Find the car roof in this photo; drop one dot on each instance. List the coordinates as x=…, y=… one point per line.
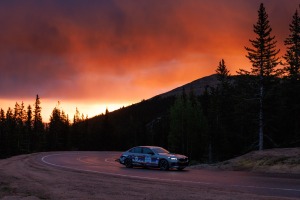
x=150, y=147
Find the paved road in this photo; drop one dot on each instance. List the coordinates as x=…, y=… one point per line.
x=104, y=163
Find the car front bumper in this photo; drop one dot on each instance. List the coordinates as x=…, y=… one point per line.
x=178, y=164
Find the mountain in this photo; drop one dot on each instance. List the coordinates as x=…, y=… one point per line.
x=197, y=86
x=146, y=122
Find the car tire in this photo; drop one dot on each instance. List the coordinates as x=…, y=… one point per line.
x=163, y=165
x=128, y=163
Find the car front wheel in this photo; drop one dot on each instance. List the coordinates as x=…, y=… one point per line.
x=128, y=163
x=163, y=165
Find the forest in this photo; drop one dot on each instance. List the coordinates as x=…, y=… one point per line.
x=251, y=110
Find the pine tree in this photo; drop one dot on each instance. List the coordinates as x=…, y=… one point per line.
x=223, y=76
x=37, y=117
x=2, y=134
x=263, y=57
x=220, y=110
x=9, y=130
x=292, y=43
x=38, y=127
x=290, y=112
x=76, y=118
x=17, y=134
x=187, y=127
x=222, y=72
x=28, y=129
x=177, y=132
x=54, y=129
x=58, y=130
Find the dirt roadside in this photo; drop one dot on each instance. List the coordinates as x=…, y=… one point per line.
x=284, y=161
x=24, y=177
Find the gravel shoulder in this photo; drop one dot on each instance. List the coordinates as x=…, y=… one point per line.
x=25, y=177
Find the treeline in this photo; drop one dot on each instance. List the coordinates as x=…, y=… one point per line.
x=255, y=109
x=21, y=130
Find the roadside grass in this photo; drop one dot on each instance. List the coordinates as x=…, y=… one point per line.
x=269, y=161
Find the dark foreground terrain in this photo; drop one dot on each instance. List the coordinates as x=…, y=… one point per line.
x=92, y=175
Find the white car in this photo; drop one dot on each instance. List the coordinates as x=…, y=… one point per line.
x=153, y=156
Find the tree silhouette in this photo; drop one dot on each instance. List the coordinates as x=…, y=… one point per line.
x=28, y=129
x=291, y=96
x=222, y=72
x=9, y=130
x=187, y=126
x=263, y=56
x=38, y=127
x=292, y=43
x=3, y=138
x=58, y=130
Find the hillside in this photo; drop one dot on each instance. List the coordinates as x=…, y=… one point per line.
x=146, y=122
x=197, y=86
x=208, y=127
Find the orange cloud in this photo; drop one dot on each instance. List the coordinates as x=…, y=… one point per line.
x=123, y=51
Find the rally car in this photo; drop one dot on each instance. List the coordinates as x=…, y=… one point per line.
x=152, y=156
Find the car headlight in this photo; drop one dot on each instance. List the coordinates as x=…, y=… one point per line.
x=174, y=159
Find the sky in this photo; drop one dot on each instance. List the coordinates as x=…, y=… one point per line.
x=100, y=54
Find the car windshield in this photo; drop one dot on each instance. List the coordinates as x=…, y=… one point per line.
x=159, y=150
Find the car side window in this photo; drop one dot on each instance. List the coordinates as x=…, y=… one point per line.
x=147, y=151
x=137, y=150
x=131, y=150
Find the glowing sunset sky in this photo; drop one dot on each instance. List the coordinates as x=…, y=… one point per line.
x=94, y=54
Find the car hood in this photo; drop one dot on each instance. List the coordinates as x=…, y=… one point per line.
x=172, y=155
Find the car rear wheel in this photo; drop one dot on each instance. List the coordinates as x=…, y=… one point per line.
x=163, y=165
x=128, y=163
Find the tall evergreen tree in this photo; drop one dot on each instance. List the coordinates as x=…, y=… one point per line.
x=290, y=110
x=37, y=116
x=23, y=112
x=38, y=127
x=76, y=118
x=187, y=127
x=2, y=134
x=292, y=43
x=18, y=128
x=9, y=130
x=222, y=72
x=28, y=129
x=220, y=111
x=263, y=56
x=58, y=130
x=177, y=126
x=223, y=76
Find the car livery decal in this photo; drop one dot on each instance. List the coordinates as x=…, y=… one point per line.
x=139, y=159
x=147, y=159
x=154, y=160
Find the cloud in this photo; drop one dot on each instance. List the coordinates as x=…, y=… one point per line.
x=117, y=49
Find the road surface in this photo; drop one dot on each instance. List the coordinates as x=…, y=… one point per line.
x=104, y=163
x=96, y=175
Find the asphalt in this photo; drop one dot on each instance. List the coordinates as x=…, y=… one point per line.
x=275, y=185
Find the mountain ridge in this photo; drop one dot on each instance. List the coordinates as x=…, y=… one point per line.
x=197, y=86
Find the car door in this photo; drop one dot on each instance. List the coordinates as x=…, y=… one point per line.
x=137, y=156
x=150, y=158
